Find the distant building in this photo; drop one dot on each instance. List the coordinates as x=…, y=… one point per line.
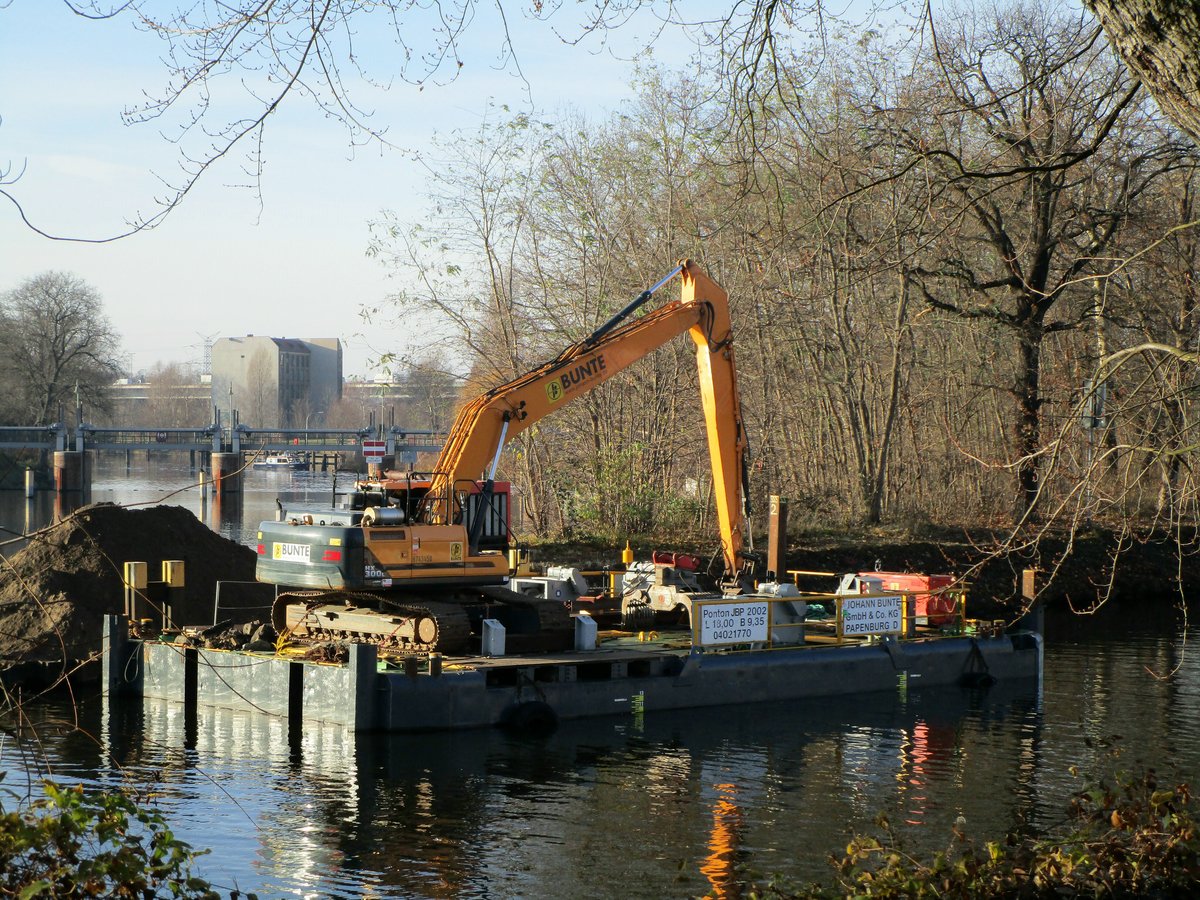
x=276, y=382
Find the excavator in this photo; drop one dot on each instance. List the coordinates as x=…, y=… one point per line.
x=425, y=562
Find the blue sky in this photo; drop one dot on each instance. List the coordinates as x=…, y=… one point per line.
x=220, y=265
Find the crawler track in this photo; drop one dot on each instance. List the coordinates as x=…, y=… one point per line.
x=401, y=624
x=395, y=627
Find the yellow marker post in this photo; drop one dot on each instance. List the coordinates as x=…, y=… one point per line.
x=173, y=577
x=136, y=578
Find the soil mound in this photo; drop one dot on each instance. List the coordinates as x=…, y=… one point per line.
x=55, y=591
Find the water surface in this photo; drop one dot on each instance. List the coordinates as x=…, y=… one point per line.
x=660, y=805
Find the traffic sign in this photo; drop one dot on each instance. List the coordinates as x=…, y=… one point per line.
x=374, y=449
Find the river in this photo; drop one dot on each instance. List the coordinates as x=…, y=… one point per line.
x=659, y=805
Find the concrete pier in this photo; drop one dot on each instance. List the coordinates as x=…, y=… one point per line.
x=70, y=471
x=227, y=474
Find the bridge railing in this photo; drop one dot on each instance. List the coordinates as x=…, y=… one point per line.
x=35, y=437
x=251, y=440
x=101, y=438
x=401, y=443
x=402, y=437
x=247, y=439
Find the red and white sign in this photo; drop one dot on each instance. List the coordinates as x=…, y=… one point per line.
x=374, y=449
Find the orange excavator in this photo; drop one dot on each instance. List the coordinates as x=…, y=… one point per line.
x=425, y=563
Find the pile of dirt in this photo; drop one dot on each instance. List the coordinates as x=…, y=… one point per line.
x=55, y=591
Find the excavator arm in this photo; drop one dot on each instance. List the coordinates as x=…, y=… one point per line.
x=484, y=425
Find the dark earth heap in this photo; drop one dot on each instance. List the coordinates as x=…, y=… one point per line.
x=55, y=591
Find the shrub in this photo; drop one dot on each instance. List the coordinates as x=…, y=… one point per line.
x=1125, y=837
x=84, y=843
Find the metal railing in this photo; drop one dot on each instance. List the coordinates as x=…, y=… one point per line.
x=33, y=437
x=756, y=622
x=95, y=437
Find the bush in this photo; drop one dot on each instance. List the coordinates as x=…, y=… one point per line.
x=1125, y=837
x=80, y=843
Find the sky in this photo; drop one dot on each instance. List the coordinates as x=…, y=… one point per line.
x=222, y=264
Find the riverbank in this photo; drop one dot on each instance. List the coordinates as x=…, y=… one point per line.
x=1075, y=571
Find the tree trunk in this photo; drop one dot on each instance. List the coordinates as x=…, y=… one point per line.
x=1160, y=42
x=1028, y=424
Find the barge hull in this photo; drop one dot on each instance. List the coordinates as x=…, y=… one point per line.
x=480, y=693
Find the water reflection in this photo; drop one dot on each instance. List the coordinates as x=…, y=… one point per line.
x=673, y=804
x=720, y=867
x=690, y=803
x=679, y=804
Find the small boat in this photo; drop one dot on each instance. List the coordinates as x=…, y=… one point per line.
x=281, y=461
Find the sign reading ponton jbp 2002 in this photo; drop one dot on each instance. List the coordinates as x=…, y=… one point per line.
x=871, y=615
x=732, y=623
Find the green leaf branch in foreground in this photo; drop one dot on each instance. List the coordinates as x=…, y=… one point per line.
x=88, y=843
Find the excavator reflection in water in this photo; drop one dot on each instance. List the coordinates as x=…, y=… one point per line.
x=426, y=562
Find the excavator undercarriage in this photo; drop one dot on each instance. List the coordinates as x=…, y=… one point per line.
x=447, y=622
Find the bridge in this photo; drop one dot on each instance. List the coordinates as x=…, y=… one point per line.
x=401, y=443
x=34, y=437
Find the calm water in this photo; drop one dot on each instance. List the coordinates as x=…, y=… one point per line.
x=666, y=805
x=157, y=480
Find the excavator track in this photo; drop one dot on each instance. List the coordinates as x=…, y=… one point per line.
x=398, y=628
x=405, y=625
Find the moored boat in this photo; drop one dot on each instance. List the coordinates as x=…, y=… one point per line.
x=291, y=461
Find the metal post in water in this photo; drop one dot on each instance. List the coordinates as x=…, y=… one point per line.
x=30, y=483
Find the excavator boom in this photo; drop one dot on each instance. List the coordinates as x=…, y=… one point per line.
x=485, y=424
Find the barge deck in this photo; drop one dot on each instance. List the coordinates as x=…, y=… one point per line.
x=368, y=693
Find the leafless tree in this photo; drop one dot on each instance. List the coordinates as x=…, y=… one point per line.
x=258, y=399
x=231, y=66
x=56, y=349
x=1038, y=160
x=167, y=403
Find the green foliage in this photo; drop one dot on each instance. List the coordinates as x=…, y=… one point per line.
x=629, y=501
x=1126, y=837
x=82, y=843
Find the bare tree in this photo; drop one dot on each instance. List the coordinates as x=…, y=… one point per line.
x=1038, y=162
x=168, y=401
x=258, y=399
x=56, y=347
x=231, y=66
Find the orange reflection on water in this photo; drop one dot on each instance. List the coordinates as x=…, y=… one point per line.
x=723, y=844
x=926, y=745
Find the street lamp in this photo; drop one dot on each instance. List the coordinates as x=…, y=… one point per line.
x=319, y=412
x=308, y=453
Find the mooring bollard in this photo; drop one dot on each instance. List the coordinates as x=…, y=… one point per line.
x=30, y=483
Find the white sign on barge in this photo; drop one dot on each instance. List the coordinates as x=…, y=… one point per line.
x=866, y=615
x=741, y=622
